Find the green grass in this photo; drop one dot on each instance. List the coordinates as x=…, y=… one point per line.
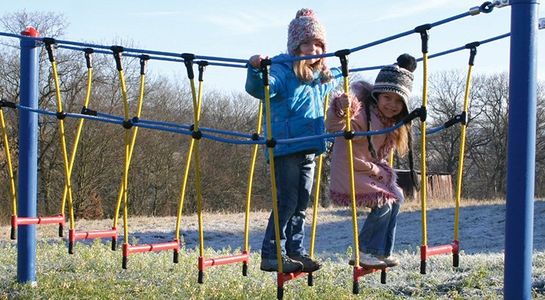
x=94, y=272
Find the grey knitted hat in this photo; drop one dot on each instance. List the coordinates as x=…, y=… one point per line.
x=396, y=78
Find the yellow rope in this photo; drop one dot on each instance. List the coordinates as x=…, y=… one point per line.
x=423, y=180
x=251, y=180
x=183, y=186
x=461, y=155
x=317, y=182
x=273, y=181
x=7, y=153
x=131, y=148
x=62, y=137
x=198, y=174
x=78, y=134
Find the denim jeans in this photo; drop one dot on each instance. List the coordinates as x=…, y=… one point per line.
x=377, y=234
x=294, y=175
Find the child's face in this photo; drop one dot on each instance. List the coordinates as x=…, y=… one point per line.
x=311, y=47
x=390, y=104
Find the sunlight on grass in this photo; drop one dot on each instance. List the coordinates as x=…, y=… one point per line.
x=95, y=272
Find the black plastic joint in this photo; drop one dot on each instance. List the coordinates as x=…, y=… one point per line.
x=265, y=63
x=472, y=51
x=127, y=124
x=196, y=134
x=342, y=55
x=117, y=50
x=202, y=66
x=192, y=127
x=143, y=61
x=423, y=113
x=424, y=35
x=419, y=112
x=188, y=62
x=50, y=46
x=5, y=103
x=348, y=135
x=456, y=119
x=486, y=7
x=88, y=57
x=135, y=120
x=87, y=111
x=60, y=115
x=270, y=143
x=255, y=136
x=464, y=118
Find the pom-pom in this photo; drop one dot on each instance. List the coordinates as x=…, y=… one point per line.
x=407, y=62
x=305, y=12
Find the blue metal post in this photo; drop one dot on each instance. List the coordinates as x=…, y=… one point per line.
x=521, y=151
x=27, y=190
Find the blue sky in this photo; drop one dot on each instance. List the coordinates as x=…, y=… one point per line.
x=239, y=29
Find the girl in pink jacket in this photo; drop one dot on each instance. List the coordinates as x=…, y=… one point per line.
x=373, y=108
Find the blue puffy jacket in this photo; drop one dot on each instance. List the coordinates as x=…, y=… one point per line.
x=297, y=108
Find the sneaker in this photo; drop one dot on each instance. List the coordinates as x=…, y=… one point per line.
x=288, y=265
x=391, y=261
x=309, y=264
x=369, y=261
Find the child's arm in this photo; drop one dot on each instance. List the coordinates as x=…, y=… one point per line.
x=254, y=78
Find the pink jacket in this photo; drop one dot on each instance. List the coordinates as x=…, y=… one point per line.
x=375, y=181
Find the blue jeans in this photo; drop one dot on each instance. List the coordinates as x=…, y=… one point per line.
x=294, y=175
x=377, y=234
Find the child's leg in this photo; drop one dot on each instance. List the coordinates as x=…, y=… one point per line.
x=287, y=183
x=295, y=230
x=372, y=237
x=391, y=230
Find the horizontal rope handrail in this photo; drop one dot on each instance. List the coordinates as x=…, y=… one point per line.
x=471, y=12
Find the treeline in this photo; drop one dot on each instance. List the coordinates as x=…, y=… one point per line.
x=159, y=158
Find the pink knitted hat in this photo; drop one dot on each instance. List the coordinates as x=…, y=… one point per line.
x=304, y=27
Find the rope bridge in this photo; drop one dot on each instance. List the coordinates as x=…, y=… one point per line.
x=132, y=122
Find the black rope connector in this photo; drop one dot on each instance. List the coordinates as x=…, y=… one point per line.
x=342, y=55
x=192, y=127
x=270, y=143
x=89, y=57
x=50, y=46
x=5, y=103
x=419, y=112
x=264, y=67
x=117, y=50
x=348, y=135
x=143, y=61
x=87, y=111
x=472, y=51
x=486, y=7
x=255, y=136
x=61, y=115
x=196, y=134
x=127, y=124
x=188, y=62
x=461, y=118
x=135, y=120
x=424, y=35
x=202, y=66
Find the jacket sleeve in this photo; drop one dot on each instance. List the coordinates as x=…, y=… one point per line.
x=254, y=82
x=336, y=116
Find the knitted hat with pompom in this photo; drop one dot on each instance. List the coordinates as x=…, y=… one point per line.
x=396, y=78
x=304, y=27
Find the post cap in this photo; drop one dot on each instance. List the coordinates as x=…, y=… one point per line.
x=30, y=31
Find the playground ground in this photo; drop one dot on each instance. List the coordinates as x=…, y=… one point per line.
x=481, y=229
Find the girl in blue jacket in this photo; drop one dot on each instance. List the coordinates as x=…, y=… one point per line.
x=297, y=91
